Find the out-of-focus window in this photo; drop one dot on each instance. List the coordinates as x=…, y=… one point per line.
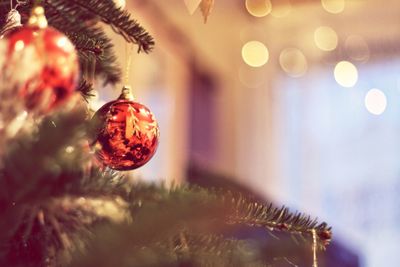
x=340, y=155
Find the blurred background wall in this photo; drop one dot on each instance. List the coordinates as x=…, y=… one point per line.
x=298, y=100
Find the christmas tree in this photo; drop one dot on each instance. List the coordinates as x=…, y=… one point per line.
x=64, y=200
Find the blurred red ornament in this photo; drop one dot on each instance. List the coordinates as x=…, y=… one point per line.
x=126, y=134
x=40, y=63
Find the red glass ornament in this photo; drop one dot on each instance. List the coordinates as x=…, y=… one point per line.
x=41, y=64
x=127, y=133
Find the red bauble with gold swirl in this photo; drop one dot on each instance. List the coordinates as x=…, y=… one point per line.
x=126, y=132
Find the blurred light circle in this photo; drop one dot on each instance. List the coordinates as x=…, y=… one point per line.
x=357, y=48
x=281, y=9
x=333, y=6
x=255, y=54
x=375, y=101
x=258, y=8
x=293, y=62
x=346, y=74
x=325, y=38
x=252, y=77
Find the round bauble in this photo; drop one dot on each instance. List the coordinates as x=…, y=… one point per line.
x=40, y=63
x=126, y=133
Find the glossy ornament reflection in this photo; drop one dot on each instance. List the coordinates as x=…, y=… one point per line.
x=40, y=63
x=126, y=133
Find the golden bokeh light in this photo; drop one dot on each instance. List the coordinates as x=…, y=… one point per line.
x=346, y=74
x=325, y=38
x=293, y=62
x=258, y=8
x=375, y=101
x=255, y=54
x=333, y=6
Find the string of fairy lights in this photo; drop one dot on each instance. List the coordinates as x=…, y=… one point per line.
x=293, y=61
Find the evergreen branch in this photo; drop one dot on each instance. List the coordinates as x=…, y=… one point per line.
x=86, y=89
x=58, y=226
x=192, y=220
x=245, y=210
x=190, y=216
x=119, y=20
x=254, y=213
x=57, y=144
x=216, y=250
x=62, y=165
x=98, y=182
x=86, y=45
x=89, y=40
x=145, y=238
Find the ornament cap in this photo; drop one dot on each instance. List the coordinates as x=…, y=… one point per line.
x=37, y=18
x=126, y=93
x=13, y=21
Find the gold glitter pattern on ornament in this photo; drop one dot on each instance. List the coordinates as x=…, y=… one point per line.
x=128, y=134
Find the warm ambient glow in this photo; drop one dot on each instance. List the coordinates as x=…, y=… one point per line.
x=346, y=74
x=375, y=101
x=293, y=62
x=255, y=54
x=258, y=8
x=325, y=38
x=333, y=6
x=252, y=77
x=120, y=3
x=357, y=48
x=282, y=9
